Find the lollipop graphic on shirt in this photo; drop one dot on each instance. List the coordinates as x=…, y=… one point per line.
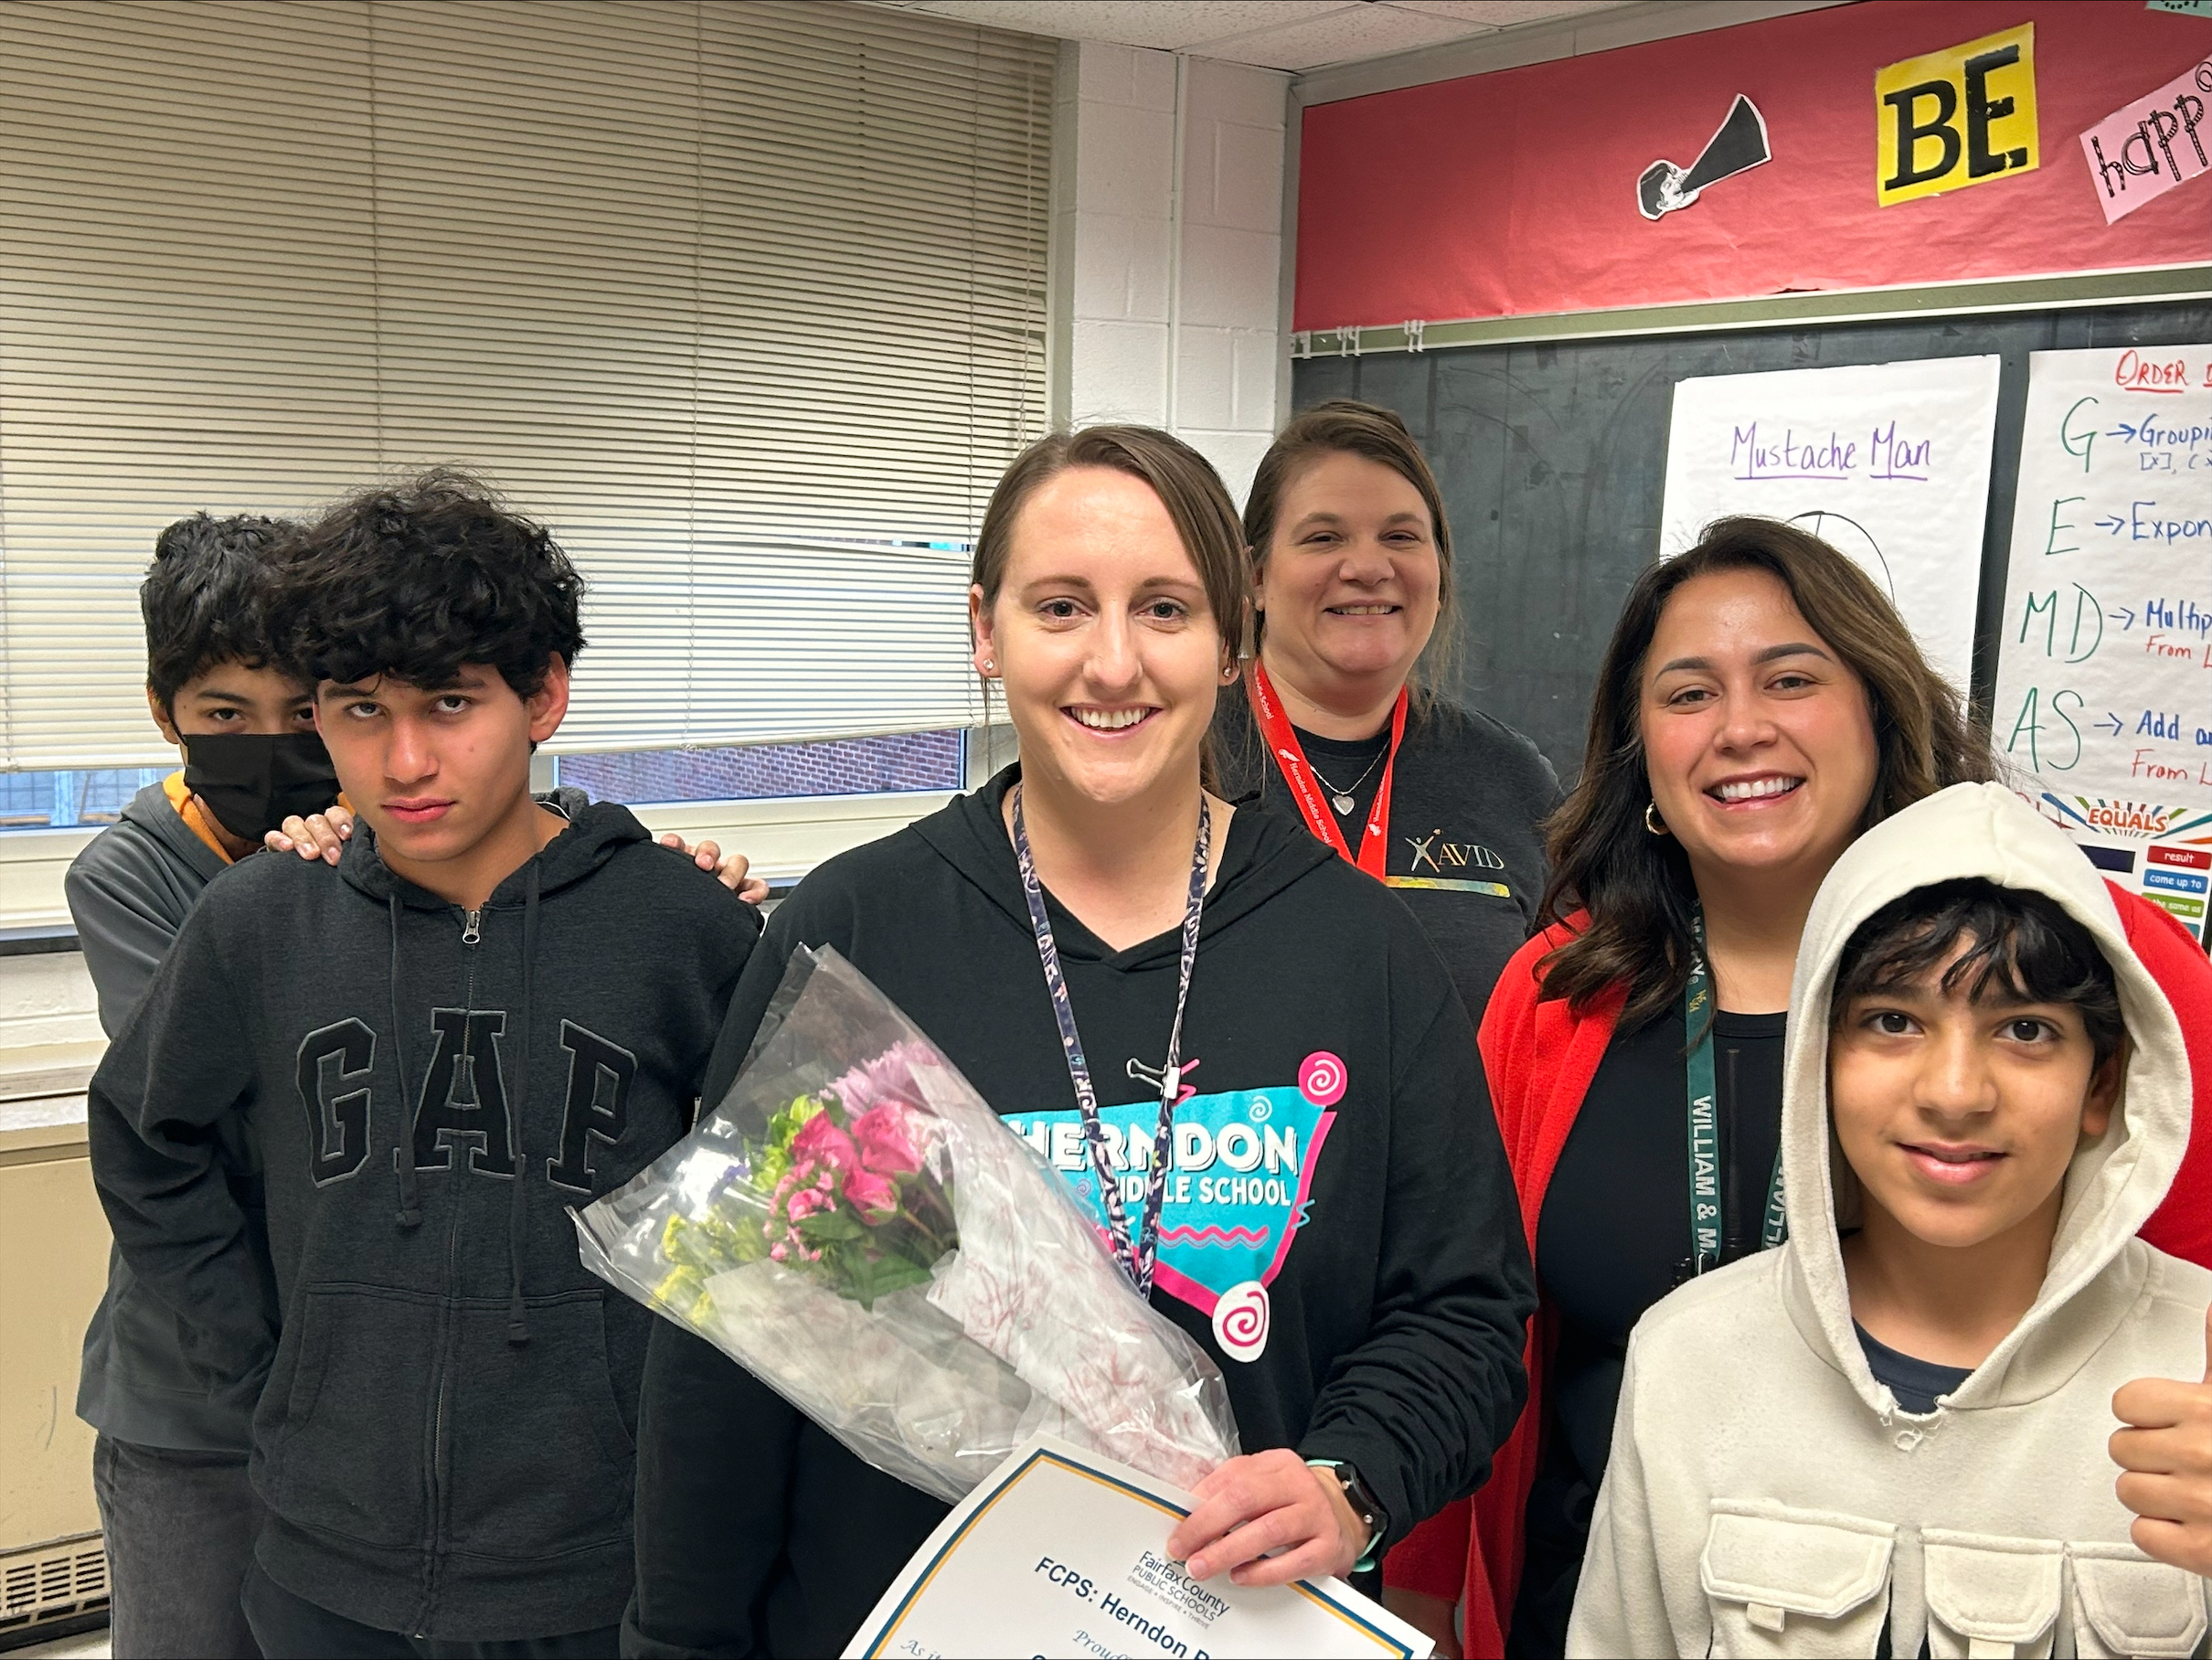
x=1240, y=1320
x=1321, y=1078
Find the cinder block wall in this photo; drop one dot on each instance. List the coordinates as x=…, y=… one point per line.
x=1168, y=226
x=45, y=1001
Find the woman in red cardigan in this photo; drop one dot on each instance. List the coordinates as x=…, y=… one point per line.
x=1759, y=704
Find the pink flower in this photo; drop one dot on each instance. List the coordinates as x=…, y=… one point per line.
x=880, y=1133
x=821, y=1141
x=889, y=1074
x=872, y=1193
x=806, y=1202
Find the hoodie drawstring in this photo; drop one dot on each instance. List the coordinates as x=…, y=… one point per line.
x=403, y=1151
x=518, y=1329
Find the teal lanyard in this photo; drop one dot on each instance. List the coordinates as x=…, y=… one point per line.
x=1707, y=1226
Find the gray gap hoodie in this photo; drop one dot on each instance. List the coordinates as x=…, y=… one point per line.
x=1767, y=1497
x=444, y=1437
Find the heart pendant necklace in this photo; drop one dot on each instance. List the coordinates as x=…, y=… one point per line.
x=1343, y=799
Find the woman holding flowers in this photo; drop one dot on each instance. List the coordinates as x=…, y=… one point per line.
x=1242, y=1055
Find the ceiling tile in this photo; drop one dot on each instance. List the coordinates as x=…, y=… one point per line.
x=1342, y=36
x=1169, y=26
x=1277, y=34
x=1505, y=13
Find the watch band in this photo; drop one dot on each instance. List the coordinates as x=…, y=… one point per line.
x=1364, y=1504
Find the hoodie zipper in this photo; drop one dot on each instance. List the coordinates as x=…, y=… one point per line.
x=433, y=1484
x=472, y=935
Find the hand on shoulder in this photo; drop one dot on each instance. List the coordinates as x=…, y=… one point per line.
x=320, y=836
x=323, y=836
x=732, y=869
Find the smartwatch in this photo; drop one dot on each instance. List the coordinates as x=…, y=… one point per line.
x=1365, y=1506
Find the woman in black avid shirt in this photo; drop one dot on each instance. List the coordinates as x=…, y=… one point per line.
x=1338, y=1233
x=1336, y=719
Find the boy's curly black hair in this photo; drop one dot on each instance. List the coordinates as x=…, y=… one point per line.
x=2021, y=947
x=204, y=598
x=414, y=579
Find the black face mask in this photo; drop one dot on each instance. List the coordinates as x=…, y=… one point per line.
x=253, y=782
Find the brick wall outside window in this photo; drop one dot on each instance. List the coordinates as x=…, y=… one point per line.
x=843, y=766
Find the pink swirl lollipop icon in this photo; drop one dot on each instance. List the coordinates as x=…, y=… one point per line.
x=1240, y=1320
x=1321, y=1078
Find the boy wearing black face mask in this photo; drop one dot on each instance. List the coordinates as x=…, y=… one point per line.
x=169, y=1466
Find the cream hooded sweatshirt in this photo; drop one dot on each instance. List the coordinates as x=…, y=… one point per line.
x=1767, y=1497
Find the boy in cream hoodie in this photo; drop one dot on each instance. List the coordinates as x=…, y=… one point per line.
x=1900, y=1424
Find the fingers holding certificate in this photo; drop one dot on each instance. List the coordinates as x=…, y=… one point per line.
x=1062, y=1552
x=1268, y=1519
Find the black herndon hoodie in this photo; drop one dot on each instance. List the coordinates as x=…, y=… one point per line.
x=444, y=1437
x=1335, y=1146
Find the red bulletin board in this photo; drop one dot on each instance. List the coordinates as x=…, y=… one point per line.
x=1515, y=192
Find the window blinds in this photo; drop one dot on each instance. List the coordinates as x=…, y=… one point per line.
x=745, y=300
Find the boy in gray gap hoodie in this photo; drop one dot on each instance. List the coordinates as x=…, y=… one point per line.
x=177, y=1513
x=498, y=1007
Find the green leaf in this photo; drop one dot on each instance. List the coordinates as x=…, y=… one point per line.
x=881, y=1277
x=828, y=1226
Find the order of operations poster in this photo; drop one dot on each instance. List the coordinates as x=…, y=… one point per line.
x=2104, y=672
x=1888, y=461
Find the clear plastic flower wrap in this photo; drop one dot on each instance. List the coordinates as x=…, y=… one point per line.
x=856, y=1226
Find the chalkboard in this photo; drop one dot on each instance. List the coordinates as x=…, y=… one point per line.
x=1553, y=460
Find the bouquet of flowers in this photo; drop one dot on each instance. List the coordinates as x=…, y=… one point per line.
x=854, y=1226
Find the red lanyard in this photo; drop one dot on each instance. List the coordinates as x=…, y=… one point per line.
x=1282, y=743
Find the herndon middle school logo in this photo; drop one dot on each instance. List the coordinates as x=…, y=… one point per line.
x=1237, y=1191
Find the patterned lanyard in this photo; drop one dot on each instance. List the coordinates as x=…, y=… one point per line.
x=1706, y=1223
x=1136, y=1257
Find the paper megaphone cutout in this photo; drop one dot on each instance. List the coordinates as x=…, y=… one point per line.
x=1738, y=146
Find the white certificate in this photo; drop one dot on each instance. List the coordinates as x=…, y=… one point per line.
x=1062, y=1552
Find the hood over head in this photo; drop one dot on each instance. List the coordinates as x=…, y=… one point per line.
x=2116, y=1179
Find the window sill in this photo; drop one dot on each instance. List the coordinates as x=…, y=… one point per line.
x=787, y=836
x=38, y=940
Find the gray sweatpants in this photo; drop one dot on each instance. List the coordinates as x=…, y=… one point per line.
x=180, y=1531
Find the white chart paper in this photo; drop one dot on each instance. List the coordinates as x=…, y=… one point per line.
x=2104, y=667
x=1888, y=461
x=1061, y=1552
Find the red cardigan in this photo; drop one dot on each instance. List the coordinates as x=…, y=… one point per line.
x=1540, y=1058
